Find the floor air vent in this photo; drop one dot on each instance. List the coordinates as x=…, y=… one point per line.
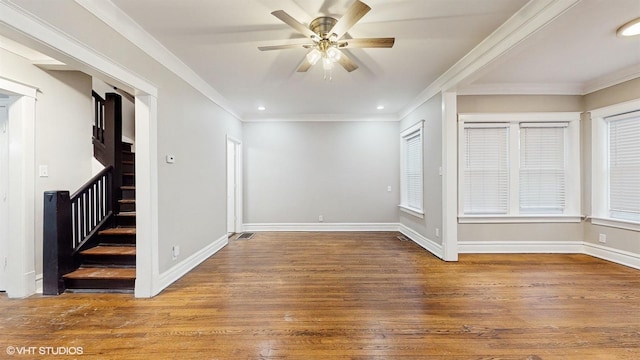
x=245, y=236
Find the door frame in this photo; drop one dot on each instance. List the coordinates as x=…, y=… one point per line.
x=4, y=190
x=20, y=275
x=234, y=167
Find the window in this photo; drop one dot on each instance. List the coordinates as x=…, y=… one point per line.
x=486, y=169
x=542, y=168
x=518, y=167
x=624, y=166
x=411, y=170
x=616, y=166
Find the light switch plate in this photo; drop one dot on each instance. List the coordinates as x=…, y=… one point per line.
x=43, y=171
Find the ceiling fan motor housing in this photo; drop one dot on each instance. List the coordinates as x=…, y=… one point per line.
x=322, y=26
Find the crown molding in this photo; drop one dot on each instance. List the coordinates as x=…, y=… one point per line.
x=72, y=52
x=615, y=78
x=583, y=88
x=118, y=20
x=522, y=89
x=532, y=17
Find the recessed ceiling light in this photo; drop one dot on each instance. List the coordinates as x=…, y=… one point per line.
x=380, y=107
x=262, y=108
x=631, y=28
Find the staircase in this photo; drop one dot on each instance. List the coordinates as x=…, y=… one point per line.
x=89, y=242
x=110, y=266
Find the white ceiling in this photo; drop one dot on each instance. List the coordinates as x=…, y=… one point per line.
x=576, y=53
x=219, y=40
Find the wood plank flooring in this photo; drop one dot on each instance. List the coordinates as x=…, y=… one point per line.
x=349, y=296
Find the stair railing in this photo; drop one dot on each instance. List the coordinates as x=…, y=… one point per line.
x=70, y=223
x=107, y=137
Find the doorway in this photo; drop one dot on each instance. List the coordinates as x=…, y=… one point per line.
x=234, y=186
x=4, y=187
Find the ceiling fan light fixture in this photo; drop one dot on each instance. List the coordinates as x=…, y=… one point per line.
x=325, y=39
x=632, y=28
x=313, y=56
x=334, y=54
x=327, y=63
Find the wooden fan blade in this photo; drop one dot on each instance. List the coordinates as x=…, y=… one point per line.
x=346, y=63
x=355, y=13
x=305, y=66
x=289, y=20
x=283, y=46
x=367, y=43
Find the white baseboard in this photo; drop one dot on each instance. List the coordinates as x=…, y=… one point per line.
x=621, y=257
x=430, y=245
x=170, y=276
x=39, y=283
x=520, y=247
x=257, y=227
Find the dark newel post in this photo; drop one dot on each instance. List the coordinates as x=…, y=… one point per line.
x=58, y=242
x=113, y=142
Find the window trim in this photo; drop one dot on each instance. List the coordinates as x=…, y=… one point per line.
x=599, y=168
x=572, y=212
x=407, y=133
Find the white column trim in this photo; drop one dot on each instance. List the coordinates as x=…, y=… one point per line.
x=147, y=254
x=450, y=176
x=20, y=273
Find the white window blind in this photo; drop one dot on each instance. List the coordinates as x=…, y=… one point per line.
x=542, y=168
x=413, y=168
x=486, y=169
x=624, y=166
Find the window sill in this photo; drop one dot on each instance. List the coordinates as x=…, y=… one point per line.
x=410, y=211
x=512, y=219
x=616, y=223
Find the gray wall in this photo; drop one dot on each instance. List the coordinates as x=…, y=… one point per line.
x=63, y=131
x=192, y=192
x=431, y=113
x=296, y=171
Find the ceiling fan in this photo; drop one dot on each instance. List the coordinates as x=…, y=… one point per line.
x=324, y=38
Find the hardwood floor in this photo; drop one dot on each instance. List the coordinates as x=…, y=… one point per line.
x=351, y=296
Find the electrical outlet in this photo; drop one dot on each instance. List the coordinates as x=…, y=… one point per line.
x=437, y=232
x=602, y=238
x=175, y=252
x=321, y=218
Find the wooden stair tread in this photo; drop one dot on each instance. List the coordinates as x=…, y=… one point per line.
x=129, y=174
x=102, y=273
x=110, y=250
x=127, y=201
x=127, y=187
x=119, y=231
x=126, y=214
